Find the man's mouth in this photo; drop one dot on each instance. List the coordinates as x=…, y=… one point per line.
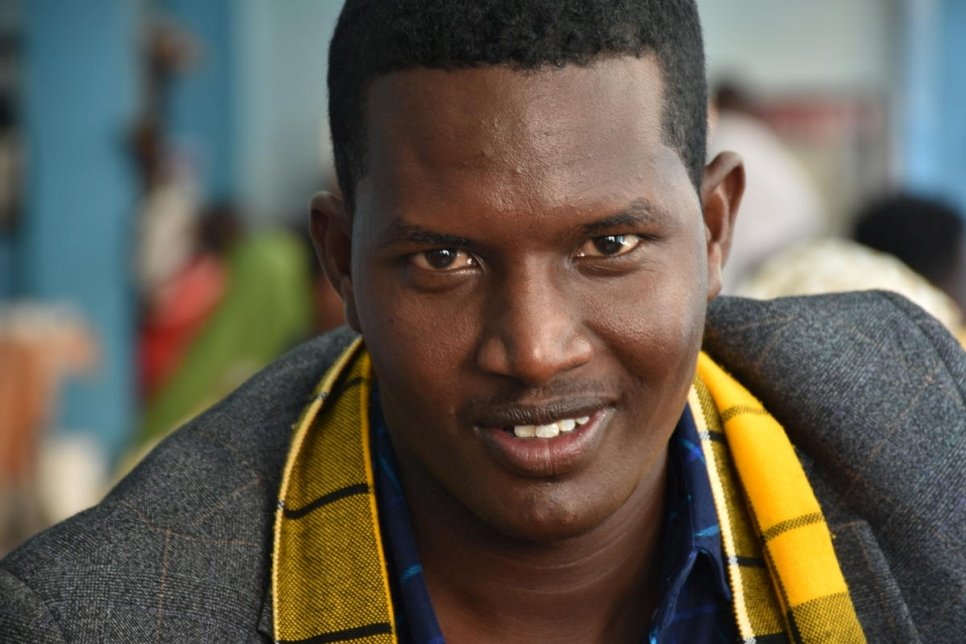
x=551, y=443
x=548, y=430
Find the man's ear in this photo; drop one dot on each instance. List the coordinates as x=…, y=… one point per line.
x=331, y=230
x=721, y=190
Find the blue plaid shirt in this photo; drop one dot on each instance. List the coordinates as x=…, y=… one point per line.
x=695, y=604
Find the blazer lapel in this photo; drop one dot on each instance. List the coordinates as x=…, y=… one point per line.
x=266, y=621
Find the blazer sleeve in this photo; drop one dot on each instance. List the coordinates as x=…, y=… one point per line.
x=23, y=616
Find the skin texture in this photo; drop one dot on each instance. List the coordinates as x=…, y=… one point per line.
x=525, y=247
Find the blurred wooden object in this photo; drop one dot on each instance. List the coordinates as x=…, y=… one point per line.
x=40, y=345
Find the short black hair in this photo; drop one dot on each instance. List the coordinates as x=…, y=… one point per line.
x=376, y=37
x=924, y=232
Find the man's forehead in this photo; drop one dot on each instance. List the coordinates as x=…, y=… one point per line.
x=495, y=111
x=508, y=140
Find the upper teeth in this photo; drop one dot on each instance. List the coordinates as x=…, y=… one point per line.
x=551, y=430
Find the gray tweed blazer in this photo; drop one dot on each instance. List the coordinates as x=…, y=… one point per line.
x=870, y=389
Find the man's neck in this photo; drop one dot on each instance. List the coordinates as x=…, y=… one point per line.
x=600, y=586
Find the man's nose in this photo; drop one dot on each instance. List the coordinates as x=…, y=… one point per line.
x=534, y=330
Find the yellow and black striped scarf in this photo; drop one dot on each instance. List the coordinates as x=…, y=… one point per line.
x=329, y=573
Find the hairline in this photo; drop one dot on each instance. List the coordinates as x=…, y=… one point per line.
x=515, y=66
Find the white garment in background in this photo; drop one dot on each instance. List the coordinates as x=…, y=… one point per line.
x=780, y=207
x=839, y=265
x=166, y=236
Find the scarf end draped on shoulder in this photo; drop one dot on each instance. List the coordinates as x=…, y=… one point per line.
x=782, y=567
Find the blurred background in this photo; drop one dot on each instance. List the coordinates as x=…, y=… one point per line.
x=157, y=157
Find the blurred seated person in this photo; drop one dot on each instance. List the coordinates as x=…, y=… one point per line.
x=841, y=265
x=905, y=244
x=184, y=302
x=264, y=310
x=165, y=232
x=926, y=234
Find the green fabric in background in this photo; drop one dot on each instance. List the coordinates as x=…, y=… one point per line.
x=266, y=309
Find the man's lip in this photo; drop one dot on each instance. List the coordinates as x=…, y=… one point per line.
x=547, y=457
x=541, y=413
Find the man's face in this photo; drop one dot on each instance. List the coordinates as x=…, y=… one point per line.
x=526, y=251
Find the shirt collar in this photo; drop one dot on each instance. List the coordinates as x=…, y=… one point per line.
x=691, y=519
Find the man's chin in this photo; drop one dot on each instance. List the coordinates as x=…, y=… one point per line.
x=543, y=520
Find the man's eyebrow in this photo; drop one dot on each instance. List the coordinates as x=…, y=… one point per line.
x=399, y=232
x=639, y=211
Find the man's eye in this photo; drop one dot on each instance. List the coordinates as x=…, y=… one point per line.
x=442, y=259
x=609, y=246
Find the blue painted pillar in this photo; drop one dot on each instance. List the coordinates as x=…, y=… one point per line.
x=953, y=102
x=920, y=129
x=933, y=105
x=201, y=113
x=81, y=83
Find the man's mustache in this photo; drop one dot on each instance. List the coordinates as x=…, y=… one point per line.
x=524, y=405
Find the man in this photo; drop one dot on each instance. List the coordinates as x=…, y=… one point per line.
x=520, y=449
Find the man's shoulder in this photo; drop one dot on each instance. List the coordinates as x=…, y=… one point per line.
x=183, y=542
x=872, y=392
x=819, y=330
x=842, y=371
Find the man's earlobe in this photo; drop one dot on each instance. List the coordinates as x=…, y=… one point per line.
x=721, y=191
x=331, y=230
